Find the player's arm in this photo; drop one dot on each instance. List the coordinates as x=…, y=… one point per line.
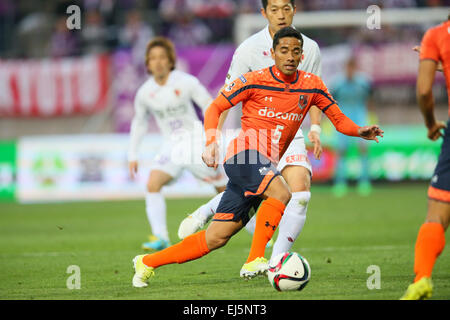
x=212, y=117
x=315, y=114
x=139, y=126
x=424, y=93
x=341, y=122
x=429, y=59
x=439, y=66
x=229, y=96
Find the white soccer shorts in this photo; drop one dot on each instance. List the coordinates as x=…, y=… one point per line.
x=172, y=163
x=295, y=155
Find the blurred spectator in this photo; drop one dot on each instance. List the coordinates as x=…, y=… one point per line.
x=171, y=9
x=135, y=35
x=217, y=15
x=188, y=31
x=213, y=8
x=33, y=35
x=93, y=33
x=248, y=6
x=7, y=17
x=64, y=42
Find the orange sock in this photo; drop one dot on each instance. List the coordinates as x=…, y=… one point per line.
x=429, y=245
x=191, y=248
x=267, y=220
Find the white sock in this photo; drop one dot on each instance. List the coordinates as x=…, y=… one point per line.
x=155, y=205
x=208, y=210
x=292, y=222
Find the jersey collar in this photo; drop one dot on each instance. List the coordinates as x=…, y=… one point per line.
x=282, y=78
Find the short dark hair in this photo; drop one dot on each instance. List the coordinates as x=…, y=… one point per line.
x=163, y=43
x=266, y=2
x=286, y=32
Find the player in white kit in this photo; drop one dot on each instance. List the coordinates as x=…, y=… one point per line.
x=254, y=54
x=168, y=95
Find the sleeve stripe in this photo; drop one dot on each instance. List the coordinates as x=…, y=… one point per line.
x=327, y=107
x=252, y=86
x=226, y=98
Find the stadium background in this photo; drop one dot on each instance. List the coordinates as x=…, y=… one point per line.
x=66, y=102
x=59, y=86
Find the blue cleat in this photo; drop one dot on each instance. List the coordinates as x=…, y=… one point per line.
x=155, y=244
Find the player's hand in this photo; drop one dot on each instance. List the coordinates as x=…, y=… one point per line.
x=314, y=137
x=210, y=155
x=439, y=66
x=434, y=132
x=370, y=132
x=133, y=168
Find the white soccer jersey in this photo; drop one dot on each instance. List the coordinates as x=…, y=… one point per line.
x=171, y=105
x=254, y=54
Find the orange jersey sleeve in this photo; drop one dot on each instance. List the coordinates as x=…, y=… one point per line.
x=212, y=116
x=435, y=45
x=428, y=47
x=228, y=96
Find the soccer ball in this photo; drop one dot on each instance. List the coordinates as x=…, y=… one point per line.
x=289, y=271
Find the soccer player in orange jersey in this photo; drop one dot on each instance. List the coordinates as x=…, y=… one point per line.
x=275, y=102
x=434, y=50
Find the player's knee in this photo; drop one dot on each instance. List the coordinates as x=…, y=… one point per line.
x=215, y=241
x=298, y=178
x=153, y=187
x=284, y=196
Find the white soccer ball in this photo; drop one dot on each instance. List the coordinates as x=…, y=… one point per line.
x=289, y=271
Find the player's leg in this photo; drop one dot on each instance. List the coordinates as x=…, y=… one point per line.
x=431, y=236
x=199, y=244
x=429, y=245
x=196, y=220
x=155, y=206
x=340, y=187
x=299, y=180
x=296, y=170
x=277, y=196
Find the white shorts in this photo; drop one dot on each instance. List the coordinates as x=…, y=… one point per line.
x=166, y=162
x=295, y=155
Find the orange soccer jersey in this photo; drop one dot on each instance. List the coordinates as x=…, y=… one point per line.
x=436, y=46
x=273, y=108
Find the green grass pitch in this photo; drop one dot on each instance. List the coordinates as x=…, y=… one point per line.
x=341, y=239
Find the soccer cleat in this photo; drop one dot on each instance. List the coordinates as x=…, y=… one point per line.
x=259, y=266
x=269, y=244
x=142, y=273
x=155, y=244
x=191, y=224
x=419, y=290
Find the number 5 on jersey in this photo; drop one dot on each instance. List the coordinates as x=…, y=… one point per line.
x=277, y=134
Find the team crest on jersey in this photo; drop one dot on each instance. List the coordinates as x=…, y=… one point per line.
x=177, y=92
x=302, y=101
